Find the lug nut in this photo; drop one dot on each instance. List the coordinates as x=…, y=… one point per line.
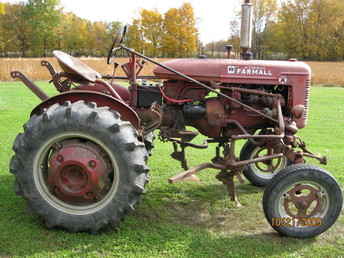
x=92, y=163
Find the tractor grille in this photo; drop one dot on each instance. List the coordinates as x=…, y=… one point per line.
x=306, y=103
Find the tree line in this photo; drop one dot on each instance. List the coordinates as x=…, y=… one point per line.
x=36, y=27
x=303, y=29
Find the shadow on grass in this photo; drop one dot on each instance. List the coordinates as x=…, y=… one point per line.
x=143, y=233
x=249, y=245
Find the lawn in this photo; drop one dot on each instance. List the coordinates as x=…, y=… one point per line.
x=181, y=220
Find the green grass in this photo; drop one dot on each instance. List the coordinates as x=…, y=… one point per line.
x=181, y=220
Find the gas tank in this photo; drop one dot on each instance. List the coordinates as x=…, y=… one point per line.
x=236, y=71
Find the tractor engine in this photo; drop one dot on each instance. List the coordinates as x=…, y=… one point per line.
x=253, y=83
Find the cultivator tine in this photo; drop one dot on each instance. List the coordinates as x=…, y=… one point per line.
x=192, y=171
x=227, y=178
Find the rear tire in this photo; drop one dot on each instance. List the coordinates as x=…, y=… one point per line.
x=302, y=201
x=257, y=173
x=79, y=197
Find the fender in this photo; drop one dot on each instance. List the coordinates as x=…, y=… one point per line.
x=102, y=100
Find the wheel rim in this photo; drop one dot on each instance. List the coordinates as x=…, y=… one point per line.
x=76, y=173
x=266, y=169
x=305, y=199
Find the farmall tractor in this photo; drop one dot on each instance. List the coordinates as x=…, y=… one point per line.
x=81, y=161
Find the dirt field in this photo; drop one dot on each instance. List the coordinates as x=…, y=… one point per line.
x=325, y=73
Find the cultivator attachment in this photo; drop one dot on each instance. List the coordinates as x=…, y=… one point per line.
x=281, y=143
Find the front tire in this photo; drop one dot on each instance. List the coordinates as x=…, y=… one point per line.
x=79, y=166
x=261, y=173
x=302, y=201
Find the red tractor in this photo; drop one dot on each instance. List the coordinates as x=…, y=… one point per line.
x=81, y=161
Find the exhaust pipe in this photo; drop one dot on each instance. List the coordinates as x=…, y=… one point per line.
x=246, y=29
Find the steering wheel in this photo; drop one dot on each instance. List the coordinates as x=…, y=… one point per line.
x=116, y=44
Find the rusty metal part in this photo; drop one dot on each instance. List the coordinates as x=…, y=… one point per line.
x=230, y=161
x=302, y=145
x=261, y=159
x=216, y=112
x=296, y=157
x=62, y=85
x=127, y=67
x=271, y=167
x=294, y=76
x=180, y=155
x=280, y=131
x=193, y=171
x=321, y=159
x=154, y=116
x=227, y=178
x=185, y=135
x=199, y=83
x=49, y=66
x=255, y=92
x=78, y=173
x=302, y=202
x=32, y=86
x=298, y=111
x=189, y=144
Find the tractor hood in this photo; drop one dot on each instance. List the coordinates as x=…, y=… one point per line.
x=235, y=71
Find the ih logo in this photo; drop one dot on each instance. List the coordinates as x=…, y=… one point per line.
x=249, y=70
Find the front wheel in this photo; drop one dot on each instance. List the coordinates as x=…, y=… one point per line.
x=261, y=173
x=79, y=166
x=302, y=201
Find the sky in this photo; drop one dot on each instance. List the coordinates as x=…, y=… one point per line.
x=212, y=16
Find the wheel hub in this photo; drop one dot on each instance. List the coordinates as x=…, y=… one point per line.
x=78, y=172
x=267, y=165
x=302, y=197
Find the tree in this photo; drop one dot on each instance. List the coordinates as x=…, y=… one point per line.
x=74, y=34
x=152, y=31
x=180, y=34
x=172, y=35
x=15, y=30
x=264, y=12
x=325, y=29
x=135, y=38
x=309, y=29
x=170, y=39
x=188, y=37
x=2, y=8
x=43, y=17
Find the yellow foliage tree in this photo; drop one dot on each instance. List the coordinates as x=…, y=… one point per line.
x=2, y=8
x=135, y=37
x=180, y=34
x=152, y=30
x=172, y=35
x=171, y=39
